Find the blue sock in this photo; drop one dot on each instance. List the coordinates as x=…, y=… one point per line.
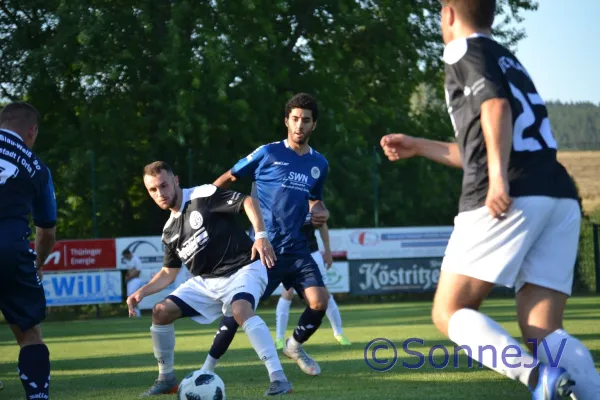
x=225, y=334
x=34, y=371
x=309, y=322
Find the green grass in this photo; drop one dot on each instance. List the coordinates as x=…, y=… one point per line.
x=113, y=359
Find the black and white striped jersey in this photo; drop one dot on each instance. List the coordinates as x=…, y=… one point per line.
x=478, y=69
x=205, y=236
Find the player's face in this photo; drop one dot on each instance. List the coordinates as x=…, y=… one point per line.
x=300, y=125
x=163, y=189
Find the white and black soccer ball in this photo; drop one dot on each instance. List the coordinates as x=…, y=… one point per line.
x=201, y=385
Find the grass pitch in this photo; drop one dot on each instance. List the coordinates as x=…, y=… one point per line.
x=113, y=358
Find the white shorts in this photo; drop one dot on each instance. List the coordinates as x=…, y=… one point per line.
x=318, y=257
x=536, y=243
x=211, y=297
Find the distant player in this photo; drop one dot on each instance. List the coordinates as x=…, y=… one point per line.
x=519, y=218
x=133, y=265
x=285, y=301
x=288, y=176
x=25, y=188
x=202, y=233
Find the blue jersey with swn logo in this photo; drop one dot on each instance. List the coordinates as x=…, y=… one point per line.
x=284, y=182
x=25, y=188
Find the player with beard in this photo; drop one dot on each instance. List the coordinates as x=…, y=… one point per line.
x=289, y=177
x=202, y=234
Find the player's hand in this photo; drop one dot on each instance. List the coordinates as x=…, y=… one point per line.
x=328, y=258
x=40, y=274
x=498, y=200
x=133, y=301
x=397, y=146
x=319, y=217
x=265, y=250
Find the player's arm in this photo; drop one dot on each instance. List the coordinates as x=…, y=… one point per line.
x=320, y=213
x=44, y=219
x=324, y=232
x=161, y=280
x=243, y=168
x=496, y=123
x=262, y=246
x=398, y=146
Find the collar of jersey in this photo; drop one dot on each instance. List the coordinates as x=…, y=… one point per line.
x=15, y=134
x=285, y=142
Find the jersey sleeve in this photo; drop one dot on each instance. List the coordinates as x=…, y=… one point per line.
x=44, y=206
x=226, y=201
x=247, y=166
x=317, y=190
x=476, y=71
x=171, y=259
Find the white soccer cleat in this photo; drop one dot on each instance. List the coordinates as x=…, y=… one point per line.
x=304, y=361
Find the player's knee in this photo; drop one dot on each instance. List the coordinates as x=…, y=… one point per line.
x=242, y=307
x=320, y=304
x=440, y=316
x=29, y=337
x=162, y=315
x=288, y=294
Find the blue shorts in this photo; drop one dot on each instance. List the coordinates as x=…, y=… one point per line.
x=22, y=297
x=298, y=271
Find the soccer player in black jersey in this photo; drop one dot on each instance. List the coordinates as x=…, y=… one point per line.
x=203, y=235
x=26, y=190
x=519, y=217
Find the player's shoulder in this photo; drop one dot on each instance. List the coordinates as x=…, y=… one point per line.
x=266, y=148
x=319, y=157
x=201, y=191
x=468, y=49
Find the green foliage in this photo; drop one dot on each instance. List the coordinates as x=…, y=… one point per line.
x=201, y=84
x=576, y=126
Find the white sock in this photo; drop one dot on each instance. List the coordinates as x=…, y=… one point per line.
x=210, y=363
x=560, y=348
x=333, y=314
x=282, y=315
x=163, y=342
x=487, y=342
x=263, y=344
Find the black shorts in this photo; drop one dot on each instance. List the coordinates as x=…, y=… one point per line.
x=298, y=271
x=22, y=297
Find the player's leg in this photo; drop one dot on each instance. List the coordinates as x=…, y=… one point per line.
x=23, y=303
x=282, y=316
x=185, y=301
x=482, y=252
x=240, y=298
x=228, y=326
x=333, y=312
x=306, y=278
x=543, y=287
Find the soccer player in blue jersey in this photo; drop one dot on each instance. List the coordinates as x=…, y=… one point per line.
x=289, y=176
x=25, y=188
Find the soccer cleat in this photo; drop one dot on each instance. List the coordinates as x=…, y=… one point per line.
x=279, y=387
x=279, y=343
x=343, y=340
x=304, y=361
x=161, y=387
x=553, y=384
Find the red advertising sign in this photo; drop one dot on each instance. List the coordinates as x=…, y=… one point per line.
x=81, y=254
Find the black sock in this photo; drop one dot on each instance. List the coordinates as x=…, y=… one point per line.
x=225, y=334
x=309, y=322
x=34, y=371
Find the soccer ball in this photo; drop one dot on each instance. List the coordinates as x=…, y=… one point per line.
x=201, y=385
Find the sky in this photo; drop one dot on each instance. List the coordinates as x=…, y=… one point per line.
x=562, y=49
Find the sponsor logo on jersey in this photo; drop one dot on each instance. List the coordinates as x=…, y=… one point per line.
x=315, y=172
x=298, y=177
x=196, y=220
x=193, y=245
x=280, y=163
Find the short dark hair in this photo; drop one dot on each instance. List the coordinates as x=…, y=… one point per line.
x=477, y=13
x=19, y=115
x=156, y=167
x=126, y=252
x=303, y=101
